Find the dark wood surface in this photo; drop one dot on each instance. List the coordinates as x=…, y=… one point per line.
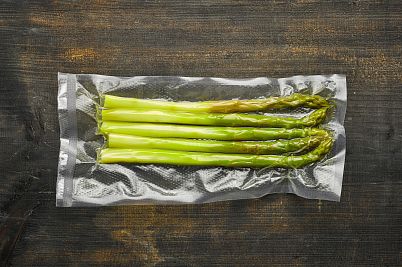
x=227, y=38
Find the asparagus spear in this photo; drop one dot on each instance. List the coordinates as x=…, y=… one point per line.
x=157, y=156
x=203, y=132
x=234, y=119
x=224, y=106
x=270, y=147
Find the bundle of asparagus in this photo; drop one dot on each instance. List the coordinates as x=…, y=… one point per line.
x=213, y=133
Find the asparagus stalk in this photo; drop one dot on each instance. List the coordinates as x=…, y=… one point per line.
x=224, y=106
x=203, y=132
x=267, y=147
x=215, y=119
x=157, y=156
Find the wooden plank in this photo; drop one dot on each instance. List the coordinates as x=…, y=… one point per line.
x=201, y=38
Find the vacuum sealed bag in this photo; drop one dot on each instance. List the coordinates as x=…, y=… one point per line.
x=174, y=140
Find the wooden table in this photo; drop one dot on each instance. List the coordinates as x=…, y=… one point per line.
x=227, y=38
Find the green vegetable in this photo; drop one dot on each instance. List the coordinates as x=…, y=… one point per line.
x=215, y=119
x=156, y=156
x=270, y=147
x=224, y=106
x=204, y=132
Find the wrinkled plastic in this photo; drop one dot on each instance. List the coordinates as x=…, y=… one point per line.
x=84, y=182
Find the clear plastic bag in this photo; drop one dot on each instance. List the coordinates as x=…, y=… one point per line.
x=84, y=182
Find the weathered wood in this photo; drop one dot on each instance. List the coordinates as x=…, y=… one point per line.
x=228, y=38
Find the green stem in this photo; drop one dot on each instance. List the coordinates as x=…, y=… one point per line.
x=214, y=119
x=203, y=132
x=223, y=106
x=267, y=147
x=156, y=156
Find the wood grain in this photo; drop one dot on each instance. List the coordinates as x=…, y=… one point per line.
x=227, y=38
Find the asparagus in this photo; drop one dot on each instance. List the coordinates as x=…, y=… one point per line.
x=203, y=132
x=157, y=156
x=234, y=119
x=224, y=106
x=270, y=147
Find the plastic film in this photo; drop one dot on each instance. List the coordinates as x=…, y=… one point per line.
x=82, y=181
